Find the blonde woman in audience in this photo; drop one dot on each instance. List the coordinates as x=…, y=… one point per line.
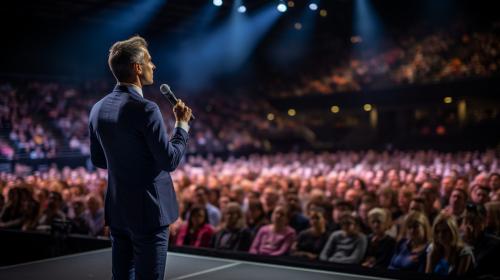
x=410, y=253
x=380, y=244
x=447, y=254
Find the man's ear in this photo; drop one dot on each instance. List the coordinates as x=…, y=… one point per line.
x=138, y=68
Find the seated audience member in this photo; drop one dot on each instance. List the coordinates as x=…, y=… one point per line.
x=233, y=234
x=410, y=253
x=201, y=198
x=405, y=199
x=353, y=197
x=430, y=193
x=31, y=210
x=223, y=202
x=387, y=198
x=447, y=254
x=405, y=195
x=493, y=218
x=485, y=247
x=417, y=204
x=12, y=215
x=53, y=212
x=275, y=239
x=480, y=194
x=456, y=205
x=173, y=228
x=447, y=186
x=95, y=215
x=297, y=220
x=270, y=198
x=311, y=241
x=237, y=194
x=79, y=222
x=367, y=204
x=494, y=182
x=196, y=232
x=347, y=245
x=256, y=217
x=340, y=208
x=380, y=245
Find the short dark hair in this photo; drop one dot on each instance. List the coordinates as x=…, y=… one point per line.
x=202, y=188
x=343, y=204
x=123, y=53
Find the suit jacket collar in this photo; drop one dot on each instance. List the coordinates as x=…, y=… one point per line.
x=129, y=89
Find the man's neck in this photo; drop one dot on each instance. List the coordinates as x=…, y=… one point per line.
x=135, y=84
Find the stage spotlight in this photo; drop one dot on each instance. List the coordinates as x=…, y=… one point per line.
x=367, y=107
x=298, y=25
x=313, y=6
x=270, y=116
x=218, y=3
x=281, y=8
x=448, y=100
x=292, y=112
x=323, y=13
x=335, y=109
x=291, y=4
x=242, y=9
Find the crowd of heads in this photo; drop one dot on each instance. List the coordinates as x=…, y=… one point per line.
x=414, y=211
x=46, y=120
x=440, y=56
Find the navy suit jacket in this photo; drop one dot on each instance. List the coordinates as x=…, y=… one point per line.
x=128, y=137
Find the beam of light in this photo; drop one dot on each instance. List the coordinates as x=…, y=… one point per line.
x=292, y=44
x=222, y=51
x=367, y=24
x=129, y=20
x=93, y=38
x=168, y=45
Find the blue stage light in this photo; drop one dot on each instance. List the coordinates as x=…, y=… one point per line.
x=218, y=3
x=242, y=9
x=313, y=6
x=282, y=8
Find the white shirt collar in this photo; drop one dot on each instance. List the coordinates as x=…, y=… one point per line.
x=132, y=87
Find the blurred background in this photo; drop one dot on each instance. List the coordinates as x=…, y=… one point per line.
x=327, y=108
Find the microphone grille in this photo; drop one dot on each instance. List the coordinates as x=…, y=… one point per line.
x=165, y=89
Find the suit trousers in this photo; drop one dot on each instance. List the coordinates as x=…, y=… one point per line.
x=139, y=256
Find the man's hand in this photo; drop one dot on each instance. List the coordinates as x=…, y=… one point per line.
x=182, y=112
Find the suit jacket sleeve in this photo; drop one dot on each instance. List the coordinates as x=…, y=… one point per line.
x=97, y=155
x=167, y=153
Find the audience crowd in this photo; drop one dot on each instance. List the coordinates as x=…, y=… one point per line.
x=436, y=57
x=45, y=120
x=421, y=211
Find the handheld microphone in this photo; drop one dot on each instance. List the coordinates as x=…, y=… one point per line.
x=169, y=95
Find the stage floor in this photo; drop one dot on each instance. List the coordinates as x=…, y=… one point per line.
x=97, y=265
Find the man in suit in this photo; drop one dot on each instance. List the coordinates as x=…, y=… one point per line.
x=128, y=137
